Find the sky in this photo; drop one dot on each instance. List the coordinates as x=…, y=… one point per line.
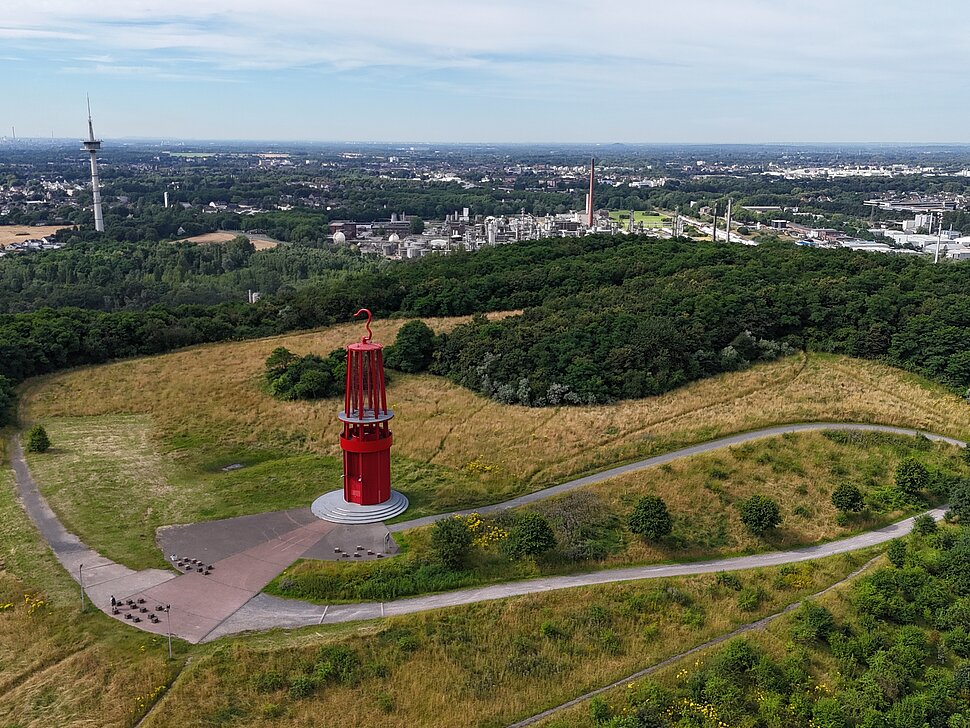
x=689, y=71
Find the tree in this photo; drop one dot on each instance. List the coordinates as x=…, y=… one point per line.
x=530, y=535
x=413, y=348
x=760, y=514
x=451, y=541
x=897, y=553
x=651, y=519
x=911, y=477
x=960, y=499
x=37, y=439
x=416, y=226
x=6, y=400
x=847, y=498
x=924, y=525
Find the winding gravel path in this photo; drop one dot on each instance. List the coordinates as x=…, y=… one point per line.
x=266, y=612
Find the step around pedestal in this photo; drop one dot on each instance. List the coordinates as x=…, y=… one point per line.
x=332, y=507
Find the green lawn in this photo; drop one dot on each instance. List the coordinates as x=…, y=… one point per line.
x=113, y=482
x=647, y=219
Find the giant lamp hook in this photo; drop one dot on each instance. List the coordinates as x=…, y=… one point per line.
x=370, y=316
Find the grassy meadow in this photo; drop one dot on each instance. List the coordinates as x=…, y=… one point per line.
x=142, y=443
x=703, y=493
x=485, y=664
x=61, y=668
x=209, y=397
x=773, y=640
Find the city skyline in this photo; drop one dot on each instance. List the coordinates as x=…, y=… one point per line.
x=700, y=72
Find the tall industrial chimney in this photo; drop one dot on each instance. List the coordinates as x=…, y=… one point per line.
x=589, y=196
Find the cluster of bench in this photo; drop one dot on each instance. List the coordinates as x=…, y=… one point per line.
x=357, y=553
x=188, y=565
x=134, y=607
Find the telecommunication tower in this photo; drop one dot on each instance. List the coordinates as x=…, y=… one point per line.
x=92, y=146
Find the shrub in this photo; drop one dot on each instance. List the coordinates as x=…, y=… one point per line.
x=413, y=349
x=924, y=525
x=960, y=497
x=760, y=514
x=550, y=630
x=37, y=439
x=827, y=713
x=385, y=701
x=530, y=535
x=750, y=598
x=650, y=518
x=302, y=686
x=847, y=498
x=897, y=553
x=958, y=640
x=451, y=541
x=599, y=710
x=912, y=477
x=336, y=663
x=267, y=682
x=811, y=622
x=272, y=710
x=610, y=642
x=729, y=580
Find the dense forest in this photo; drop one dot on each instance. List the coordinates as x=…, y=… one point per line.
x=114, y=276
x=604, y=318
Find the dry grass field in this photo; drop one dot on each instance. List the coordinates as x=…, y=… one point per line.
x=486, y=664
x=19, y=233
x=222, y=237
x=798, y=471
x=212, y=394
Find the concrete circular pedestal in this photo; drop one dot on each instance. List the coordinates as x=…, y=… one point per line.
x=332, y=507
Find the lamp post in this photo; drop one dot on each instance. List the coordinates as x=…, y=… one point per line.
x=80, y=579
x=168, y=626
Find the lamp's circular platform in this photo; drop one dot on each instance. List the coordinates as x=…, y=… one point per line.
x=332, y=507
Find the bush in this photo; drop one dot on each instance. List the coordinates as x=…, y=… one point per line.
x=924, y=525
x=811, y=622
x=847, y=498
x=729, y=580
x=650, y=518
x=960, y=498
x=451, y=541
x=336, y=663
x=302, y=686
x=897, y=553
x=413, y=349
x=530, y=535
x=750, y=598
x=37, y=439
x=267, y=682
x=912, y=477
x=760, y=514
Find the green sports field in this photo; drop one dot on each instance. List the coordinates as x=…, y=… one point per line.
x=640, y=217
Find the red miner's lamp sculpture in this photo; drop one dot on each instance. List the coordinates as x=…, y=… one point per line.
x=366, y=442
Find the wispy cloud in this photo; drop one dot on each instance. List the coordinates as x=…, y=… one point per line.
x=616, y=61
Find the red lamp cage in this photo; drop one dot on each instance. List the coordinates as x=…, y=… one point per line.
x=366, y=438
